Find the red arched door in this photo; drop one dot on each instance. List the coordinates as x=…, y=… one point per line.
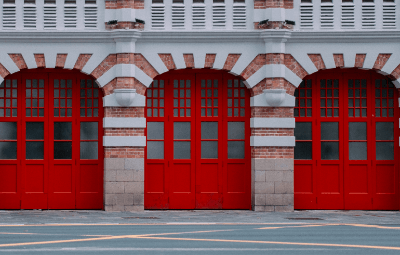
x=346, y=154
x=198, y=142
x=51, y=154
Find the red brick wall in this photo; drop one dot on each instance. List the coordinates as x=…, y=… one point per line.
x=40, y=61
x=145, y=66
x=104, y=66
x=272, y=132
x=3, y=71
x=124, y=83
x=292, y=64
x=168, y=61
x=396, y=73
x=124, y=131
x=360, y=58
x=231, y=61
x=124, y=112
x=272, y=152
x=273, y=83
x=210, y=59
x=317, y=60
x=60, y=61
x=189, y=60
x=272, y=112
x=81, y=61
x=339, y=61
x=264, y=4
x=381, y=61
x=18, y=60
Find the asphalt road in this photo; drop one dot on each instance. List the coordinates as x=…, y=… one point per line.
x=301, y=235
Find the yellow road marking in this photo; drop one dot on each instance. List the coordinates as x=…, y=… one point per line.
x=273, y=242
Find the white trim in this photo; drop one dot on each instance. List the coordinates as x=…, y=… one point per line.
x=124, y=122
x=199, y=59
x=178, y=60
x=397, y=84
x=143, y=77
x=272, y=122
x=274, y=71
x=125, y=70
x=124, y=141
x=29, y=58
x=243, y=62
x=261, y=101
x=304, y=60
x=50, y=58
x=329, y=62
x=94, y=61
x=392, y=63
x=220, y=59
x=111, y=101
x=272, y=141
x=349, y=59
x=370, y=59
x=106, y=77
x=124, y=14
x=72, y=57
x=8, y=63
x=155, y=61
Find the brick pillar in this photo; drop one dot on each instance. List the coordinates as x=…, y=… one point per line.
x=275, y=12
x=124, y=14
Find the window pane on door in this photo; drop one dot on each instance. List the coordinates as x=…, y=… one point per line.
x=89, y=130
x=358, y=151
x=8, y=130
x=384, y=131
x=155, y=130
x=303, y=131
x=62, y=130
x=329, y=131
x=182, y=150
x=155, y=150
x=8, y=150
x=34, y=131
x=384, y=151
x=89, y=150
x=330, y=150
x=235, y=149
x=34, y=150
x=181, y=130
x=235, y=130
x=209, y=149
x=303, y=150
x=357, y=131
x=209, y=130
x=62, y=150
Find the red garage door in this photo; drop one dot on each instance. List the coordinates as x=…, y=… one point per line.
x=50, y=141
x=347, y=140
x=198, y=148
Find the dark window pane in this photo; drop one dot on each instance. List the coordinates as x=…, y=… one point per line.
x=62, y=150
x=182, y=150
x=34, y=150
x=235, y=130
x=209, y=130
x=89, y=150
x=155, y=150
x=8, y=150
x=34, y=131
x=303, y=131
x=358, y=151
x=8, y=130
x=384, y=151
x=89, y=130
x=329, y=150
x=155, y=130
x=62, y=130
x=209, y=149
x=329, y=131
x=236, y=149
x=303, y=150
x=181, y=130
x=384, y=130
x=357, y=131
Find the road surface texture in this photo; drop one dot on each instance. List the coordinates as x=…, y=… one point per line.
x=199, y=232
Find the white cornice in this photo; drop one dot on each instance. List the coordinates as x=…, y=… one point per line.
x=345, y=36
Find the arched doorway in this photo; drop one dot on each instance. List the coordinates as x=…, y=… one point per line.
x=198, y=141
x=51, y=154
x=346, y=154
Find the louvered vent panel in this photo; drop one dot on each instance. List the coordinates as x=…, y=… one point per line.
x=199, y=16
x=50, y=16
x=70, y=17
x=389, y=16
x=90, y=16
x=9, y=16
x=368, y=19
x=327, y=16
x=239, y=16
x=347, y=17
x=157, y=16
x=306, y=16
x=178, y=16
x=219, y=16
x=30, y=16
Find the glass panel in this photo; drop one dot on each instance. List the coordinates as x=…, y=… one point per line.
x=384, y=131
x=89, y=130
x=384, y=151
x=358, y=151
x=34, y=150
x=181, y=130
x=209, y=149
x=303, y=150
x=236, y=149
x=329, y=150
x=155, y=130
x=62, y=150
x=89, y=150
x=182, y=150
x=34, y=131
x=235, y=130
x=62, y=131
x=8, y=150
x=329, y=131
x=155, y=150
x=209, y=130
x=303, y=131
x=357, y=131
x=8, y=130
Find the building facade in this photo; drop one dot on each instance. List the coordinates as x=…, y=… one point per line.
x=265, y=105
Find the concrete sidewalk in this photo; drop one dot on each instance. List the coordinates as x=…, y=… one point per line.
x=196, y=217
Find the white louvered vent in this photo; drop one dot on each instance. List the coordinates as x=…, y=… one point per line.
x=157, y=16
x=306, y=16
x=49, y=16
x=90, y=15
x=178, y=16
x=327, y=16
x=239, y=15
x=347, y=17
x=30, y=16
x=9, y=16
x=219, y=15
x=389, y=15
x=368, y=20
x=199, y=15
x=70, y=14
